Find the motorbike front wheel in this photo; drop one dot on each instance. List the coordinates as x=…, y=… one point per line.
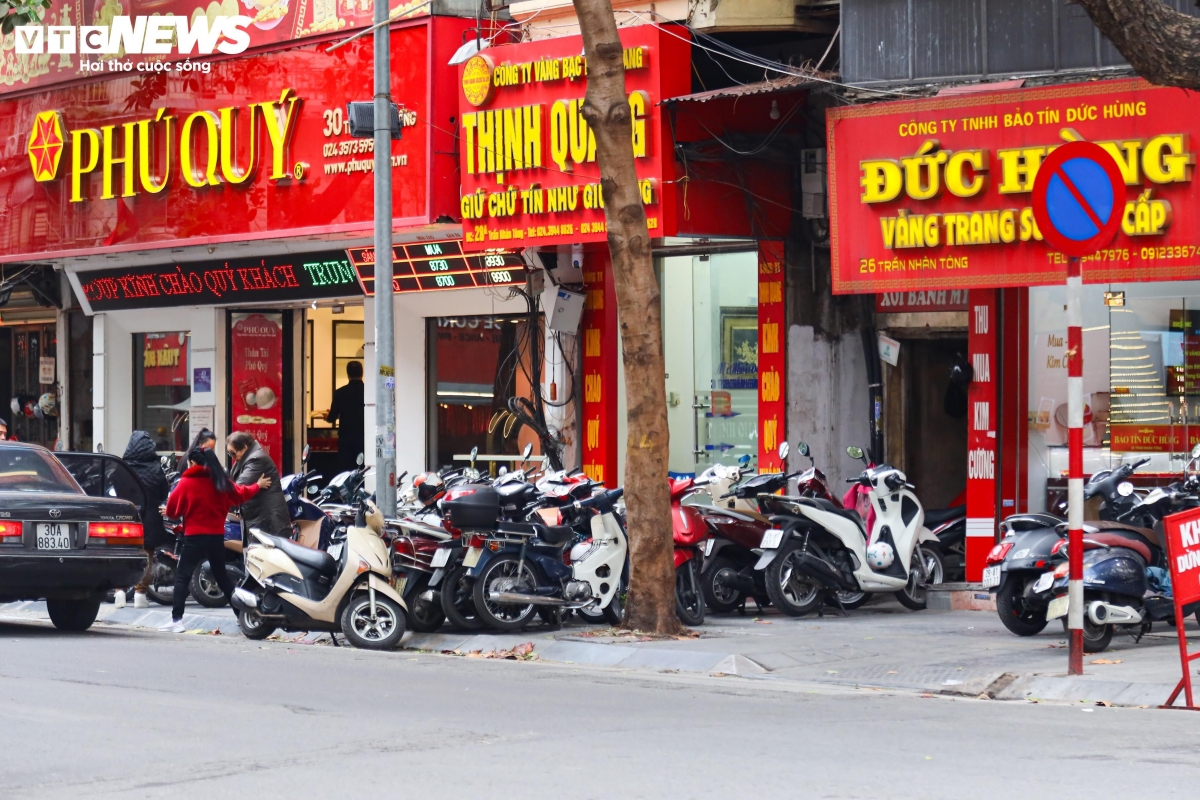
x=720, y=594
x=505, y=573
x=379, y=631
x=791, y=592
x=205, y=589
x=457, y=601
x=689, y=599
x=425, y=614
x=914, y=594
x=935, y=568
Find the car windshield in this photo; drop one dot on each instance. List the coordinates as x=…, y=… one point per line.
x=24, y=470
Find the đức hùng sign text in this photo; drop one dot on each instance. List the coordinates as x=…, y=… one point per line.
x=937, y=194
x=526, y=154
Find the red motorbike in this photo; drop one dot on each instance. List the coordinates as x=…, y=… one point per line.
x=690, y=532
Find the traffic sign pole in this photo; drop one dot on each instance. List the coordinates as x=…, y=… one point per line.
x=1075, y=464
x=1078, y=202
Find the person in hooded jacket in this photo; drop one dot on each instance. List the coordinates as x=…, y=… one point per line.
x=202, y=498
x=143, y=461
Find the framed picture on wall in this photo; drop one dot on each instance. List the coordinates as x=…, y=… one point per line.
x=739, y=348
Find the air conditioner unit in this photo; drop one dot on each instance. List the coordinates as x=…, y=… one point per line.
x=813, y=184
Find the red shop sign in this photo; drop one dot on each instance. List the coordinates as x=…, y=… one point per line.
x=257, y=148
x=164, y=359
x=527, y=157
x=256, y=349
x=1183, y=552
x=936, y=194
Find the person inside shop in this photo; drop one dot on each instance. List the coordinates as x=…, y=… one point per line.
x=268, y=511
x=143, y=461
x=347, y=413
x=202, y=499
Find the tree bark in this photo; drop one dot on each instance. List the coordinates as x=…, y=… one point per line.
x=650, y=605
x=1161, y=44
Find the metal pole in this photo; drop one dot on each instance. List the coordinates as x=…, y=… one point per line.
x=1075, y=465
x=385, y=341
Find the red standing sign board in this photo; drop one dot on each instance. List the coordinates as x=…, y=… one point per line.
x=1183, y=551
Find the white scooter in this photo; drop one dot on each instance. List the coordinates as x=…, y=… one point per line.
x=822, y=550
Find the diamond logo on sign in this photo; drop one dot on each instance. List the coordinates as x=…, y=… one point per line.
x=46, y=145
x=1078, y=198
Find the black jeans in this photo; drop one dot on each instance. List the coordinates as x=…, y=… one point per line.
x=196, y=550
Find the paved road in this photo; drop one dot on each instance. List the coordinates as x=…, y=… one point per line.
x=122, y=713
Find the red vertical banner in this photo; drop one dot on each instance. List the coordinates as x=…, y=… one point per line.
x=772, y=356
x=982, y=339
x=256, y=378
x=1013, y=393
x=600, y=354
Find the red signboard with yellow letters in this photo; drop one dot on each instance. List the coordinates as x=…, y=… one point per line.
x=936, y=193
x=528, y=160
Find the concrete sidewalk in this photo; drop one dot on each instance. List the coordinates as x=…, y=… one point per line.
x=880, y=645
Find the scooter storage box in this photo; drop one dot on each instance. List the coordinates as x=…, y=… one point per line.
x=478, y=510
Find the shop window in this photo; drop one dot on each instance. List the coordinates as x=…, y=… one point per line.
x=161, y=391
x=347, y=347
x=710, y=344
x=28, y=356
x=1141, y=380
x=477, y=364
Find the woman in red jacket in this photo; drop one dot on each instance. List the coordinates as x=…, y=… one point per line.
x=202, y=498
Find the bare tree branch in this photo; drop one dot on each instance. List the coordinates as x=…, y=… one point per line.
x=1161, y=44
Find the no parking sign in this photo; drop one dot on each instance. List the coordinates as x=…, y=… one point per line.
x=1078, y=198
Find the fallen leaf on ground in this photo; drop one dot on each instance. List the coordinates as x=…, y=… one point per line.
x=763, y=621
x=1105, y=661
x=1105, y=703
x=475, y=654
x=523, y=649
x=893, y=672
x=984, y=696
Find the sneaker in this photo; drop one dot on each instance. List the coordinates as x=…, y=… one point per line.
x=140, y=600
x=174, y=626
x=119, y=599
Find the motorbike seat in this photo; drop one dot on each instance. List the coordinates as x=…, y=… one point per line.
x=937, y=516
x=1115, y=540
x=834, y=508
x=514, y=490
x=321, y=561
x=1146, y=535
x=552, y=535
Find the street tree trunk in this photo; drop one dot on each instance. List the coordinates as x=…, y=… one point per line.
x=650, y=606
x=1162, y=45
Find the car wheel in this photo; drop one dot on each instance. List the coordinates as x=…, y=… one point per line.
x=73, y=615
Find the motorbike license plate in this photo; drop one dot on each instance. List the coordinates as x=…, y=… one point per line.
x=440, y=558
x=1044, y=582
x=771, y=539
x=53, y=536
x=472, y=557
x=708, y=547
x=1057, y=608
x=991, y=577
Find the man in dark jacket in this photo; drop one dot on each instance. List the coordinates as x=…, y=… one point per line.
x=347, y=413
x=268, y=510
x=143, y=461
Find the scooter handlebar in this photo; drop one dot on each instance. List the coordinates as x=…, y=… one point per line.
x=604, y=498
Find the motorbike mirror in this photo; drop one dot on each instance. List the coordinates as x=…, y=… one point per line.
x=474, y=453
x=1196, y=451
x=783, y=451
x=803, y=449
x=312, y=489
x=744, y=460
x=528, y=451
x=855, y=452
x=1125, y=488
x=503, y=470
x=304, y=454
x=360, y=459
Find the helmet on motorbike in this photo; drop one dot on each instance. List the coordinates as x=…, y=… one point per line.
x=880, y=555
x=429, y=486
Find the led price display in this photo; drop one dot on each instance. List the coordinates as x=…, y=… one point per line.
x=430, y=266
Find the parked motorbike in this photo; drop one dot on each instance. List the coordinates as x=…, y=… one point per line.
x=821, y=549
x=346, y=590
x=520, y=568
x=1019, y=568
x=204, y=587
x=161, y=588
x=311, y=525
x=1126, y=577
x=690, y=533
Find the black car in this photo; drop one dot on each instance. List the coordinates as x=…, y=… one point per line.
x=59, y=544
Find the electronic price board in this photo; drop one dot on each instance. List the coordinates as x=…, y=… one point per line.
x=430, y=266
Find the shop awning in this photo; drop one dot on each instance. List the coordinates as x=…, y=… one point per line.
x=791, y=83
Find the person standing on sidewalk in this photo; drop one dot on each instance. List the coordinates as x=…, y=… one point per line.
x=268, y=511
x=143, y=461
x=202, y=498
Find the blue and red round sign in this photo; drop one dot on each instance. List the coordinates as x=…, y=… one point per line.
x=1078, y=198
